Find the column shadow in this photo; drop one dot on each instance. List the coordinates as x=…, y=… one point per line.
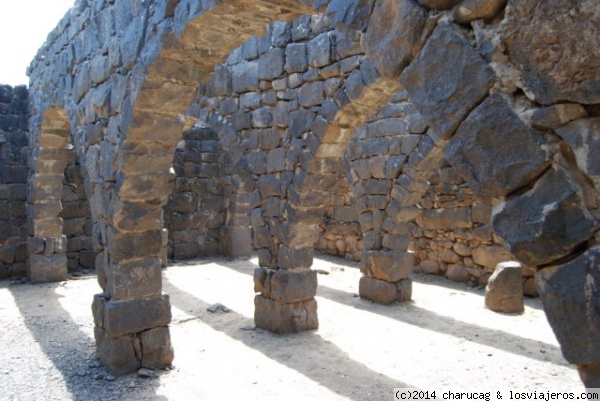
x=352, y=374
x=67, y=345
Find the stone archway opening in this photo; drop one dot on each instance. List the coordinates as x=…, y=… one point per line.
x=46, y=244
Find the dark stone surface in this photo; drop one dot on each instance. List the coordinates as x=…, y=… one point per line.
x=117, y=354
x=379, y=291
x=444, y=96
x=140, y=279
x=388, y=266
x=545, y=223
x=571, y=299
x=495, y=151
x=582, y=137
x=285, y=318
x=504, y=291
x=394, y=25
x=157, y=351
x=47, y=268
x=292, y=286
x=539, y=37
x=135, y=315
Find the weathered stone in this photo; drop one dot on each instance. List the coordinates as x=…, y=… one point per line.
x=435, y=219
x=444, y=96
x=285, y=318
x=270, y=64
x=495, y=151
x=545, y=223
x=134, y=315
x=379, y=291
x=538, y=40
x=296, y=58
x=490, y=256
x=320, y=51
x=388, y=266
x=117, y=354
x=429, y=267
x=295, y=258
x=438, y=4
x=47, y=268
x=157, y=351
x=555, y=116
x=292, y=286
x=457, y=273
x=582, y=137
x=469, y=10
x=394, y=25
x=245, y=77
x=140, y=279
x=504, y=291
x=570, y=296
x=124, y=247
x=237, y=242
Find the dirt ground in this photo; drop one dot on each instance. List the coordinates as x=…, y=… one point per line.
x=443, y=339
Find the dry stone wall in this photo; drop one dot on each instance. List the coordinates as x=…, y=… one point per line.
x=13, y=180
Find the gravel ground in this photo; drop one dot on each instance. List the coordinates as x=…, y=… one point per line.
x=444, y=338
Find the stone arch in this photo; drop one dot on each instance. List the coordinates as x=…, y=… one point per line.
x=168, y=47
x=46, y=243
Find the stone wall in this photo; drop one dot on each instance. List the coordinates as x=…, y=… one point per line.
x=487, y=94
x=13, y=180
x=195, y=213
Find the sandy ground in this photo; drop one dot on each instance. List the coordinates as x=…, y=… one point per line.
x=443, y=339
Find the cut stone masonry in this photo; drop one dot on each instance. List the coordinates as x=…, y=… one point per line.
x=434, y=135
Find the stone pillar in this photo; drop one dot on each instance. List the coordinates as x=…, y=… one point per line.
x=386, y=276
x=570, y=294
x=132, y=315
x=285, y=284
x=237, y=242
x=46, y=244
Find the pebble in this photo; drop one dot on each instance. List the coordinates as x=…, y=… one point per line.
x=81, y=373
x=98, y=376
x=109, y=378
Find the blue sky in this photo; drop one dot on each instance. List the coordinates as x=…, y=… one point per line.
x=24, y=26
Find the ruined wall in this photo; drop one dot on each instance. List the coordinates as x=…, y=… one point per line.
x=488, y=77
x=13, y=180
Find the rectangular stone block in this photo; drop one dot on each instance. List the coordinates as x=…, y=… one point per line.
x=136, y=315
x=47, y=268
x=140, y=279
x=237, y=242
x=47, y=228
x=291, y=286
x=376, y=290
x=285, y=318
x=128, y=246
x=386, y=265
x=437, y=219
x=293, y=258
x=157, y=351
x=117, y=354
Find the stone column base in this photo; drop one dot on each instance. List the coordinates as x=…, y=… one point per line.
x=286, y=301
x=384, y=292
x=282, y=318
x=43, y=268
x=132, y=334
